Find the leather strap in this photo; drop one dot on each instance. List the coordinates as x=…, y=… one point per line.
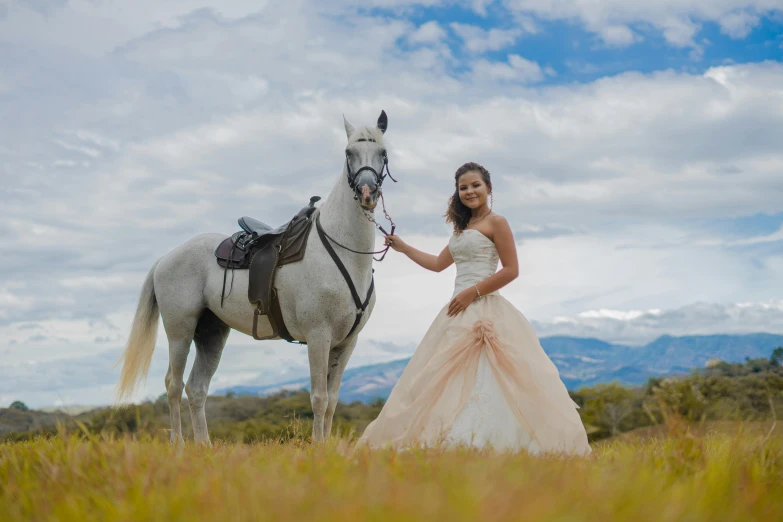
x=361, y=306
x=223, y=294
x=360, y=313
x=276, y=316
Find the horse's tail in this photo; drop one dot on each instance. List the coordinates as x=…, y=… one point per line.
x=141, y=343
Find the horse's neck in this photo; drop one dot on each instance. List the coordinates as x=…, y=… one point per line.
x=343, y=219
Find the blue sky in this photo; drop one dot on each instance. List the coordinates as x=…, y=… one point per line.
x=634, y=146
x=578, y=55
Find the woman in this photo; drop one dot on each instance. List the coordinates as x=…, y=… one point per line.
x=479, y=375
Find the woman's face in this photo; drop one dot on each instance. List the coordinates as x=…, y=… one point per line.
x=473, y=192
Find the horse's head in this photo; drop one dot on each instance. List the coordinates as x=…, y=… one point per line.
x=365, y=159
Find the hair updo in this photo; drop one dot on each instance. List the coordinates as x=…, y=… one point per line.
x=457, y=212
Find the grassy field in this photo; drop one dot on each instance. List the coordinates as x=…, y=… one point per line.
x=713, y=474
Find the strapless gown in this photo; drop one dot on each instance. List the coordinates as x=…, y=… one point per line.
x=480, y=378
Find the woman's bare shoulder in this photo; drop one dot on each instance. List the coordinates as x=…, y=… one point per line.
x=499, y=226
x=498, y=222
x=496, y=218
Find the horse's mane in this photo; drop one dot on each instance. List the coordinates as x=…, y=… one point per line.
x=367, y=133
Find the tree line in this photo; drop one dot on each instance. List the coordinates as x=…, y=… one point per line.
x=751, y=390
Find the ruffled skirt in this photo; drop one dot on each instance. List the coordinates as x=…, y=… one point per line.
x=480, y=378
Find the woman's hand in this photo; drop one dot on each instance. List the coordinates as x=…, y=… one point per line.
x=395, y=242
x=461, y=301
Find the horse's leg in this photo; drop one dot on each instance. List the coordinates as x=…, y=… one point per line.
x=318, y=344
x=211, y=335
x=338, y=359
x=180, y=335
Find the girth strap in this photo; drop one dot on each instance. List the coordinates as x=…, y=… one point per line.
x=361, y=306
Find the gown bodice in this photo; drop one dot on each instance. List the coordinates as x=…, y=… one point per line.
x=475, y=256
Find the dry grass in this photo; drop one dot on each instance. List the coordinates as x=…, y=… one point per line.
x=676, y=476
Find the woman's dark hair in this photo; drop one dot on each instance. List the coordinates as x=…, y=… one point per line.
x=457, y=212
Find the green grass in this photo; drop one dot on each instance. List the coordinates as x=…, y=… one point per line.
x=710, y=476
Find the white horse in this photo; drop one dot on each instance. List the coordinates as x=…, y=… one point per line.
x=185, y=287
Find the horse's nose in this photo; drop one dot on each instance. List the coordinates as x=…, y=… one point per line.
x=366, y=193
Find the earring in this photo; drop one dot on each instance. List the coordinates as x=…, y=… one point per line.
x=491, y=200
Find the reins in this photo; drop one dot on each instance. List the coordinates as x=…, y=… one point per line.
x=378, y=226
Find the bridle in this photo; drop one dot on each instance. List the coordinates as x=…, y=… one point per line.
x=379, y=177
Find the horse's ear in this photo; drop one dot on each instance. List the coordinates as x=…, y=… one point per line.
x=383, y=122
x=348, y=127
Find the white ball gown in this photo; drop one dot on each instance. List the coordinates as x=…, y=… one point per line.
x=481, y=377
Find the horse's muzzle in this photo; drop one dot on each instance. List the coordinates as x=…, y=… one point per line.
x=367, y=193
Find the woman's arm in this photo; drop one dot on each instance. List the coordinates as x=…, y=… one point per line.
x=507, y=251
x=430, y=262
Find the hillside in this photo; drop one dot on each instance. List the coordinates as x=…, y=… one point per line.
x=581, y=362
x=284, y=415
x=13, y=420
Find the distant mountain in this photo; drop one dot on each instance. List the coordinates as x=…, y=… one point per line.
x=581, y=362
x=364, y=383
x=693, y=351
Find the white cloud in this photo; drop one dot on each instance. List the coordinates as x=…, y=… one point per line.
x=478, y=40
x=680, y=31
x=433, y=52
x=517, y=69
x=677, y=20
x=639, y=327
x=480, y=6
x=774, y=237
x=618, y=35
x=738, y=24
x=100, y=282
x=428, y=33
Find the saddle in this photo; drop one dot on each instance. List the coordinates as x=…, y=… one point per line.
x=261, y=249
